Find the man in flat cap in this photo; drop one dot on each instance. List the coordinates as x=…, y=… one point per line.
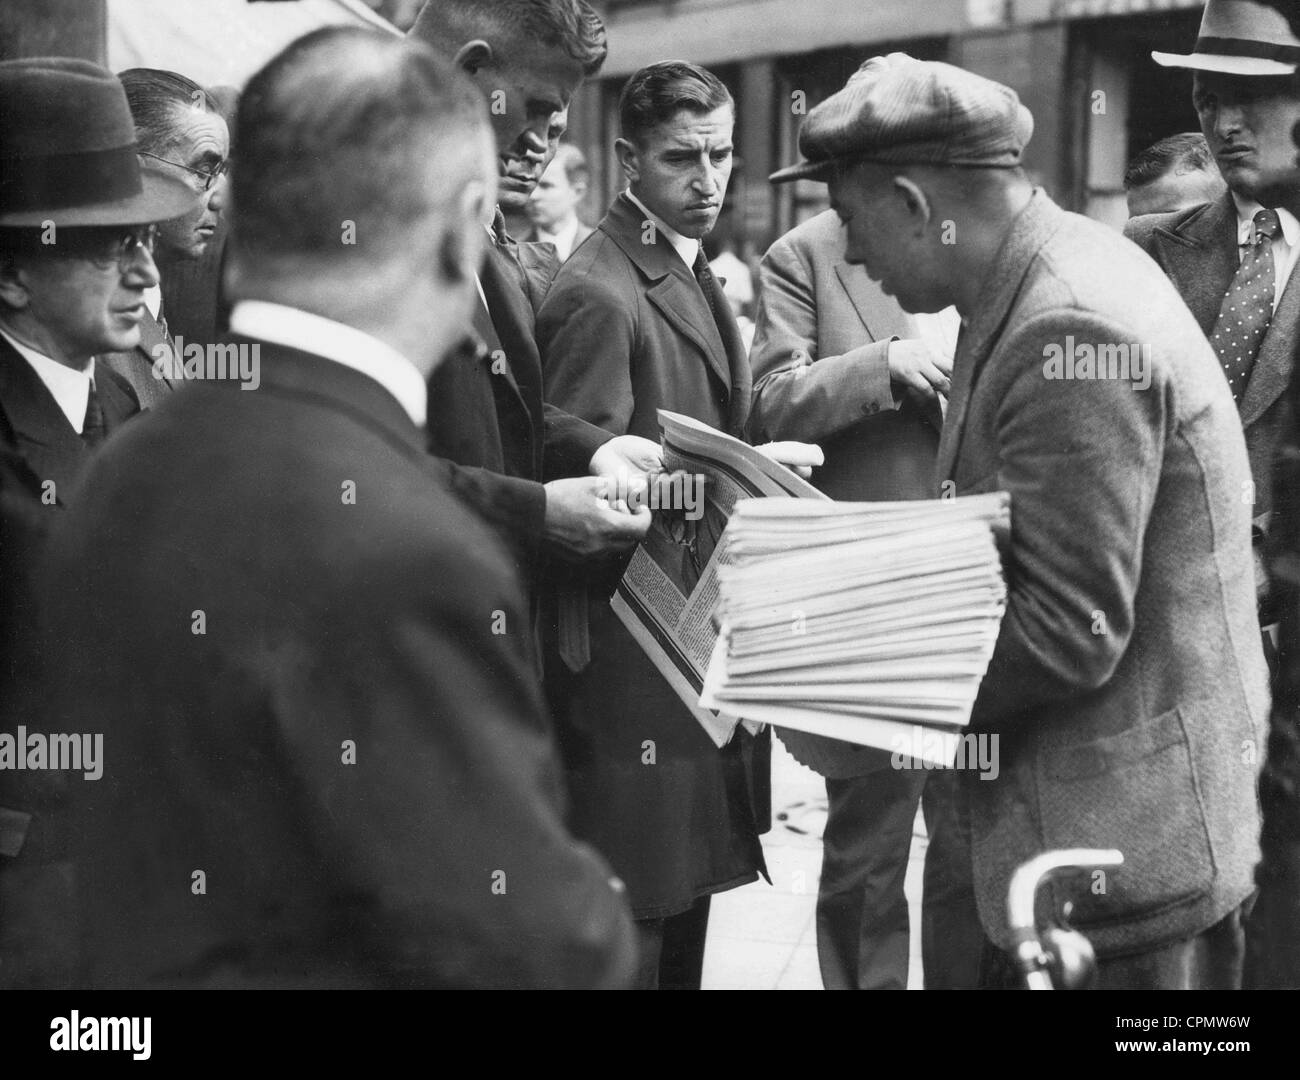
x=1232, y=259
x=1128, y=684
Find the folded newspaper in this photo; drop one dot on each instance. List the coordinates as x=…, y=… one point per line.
x=669, y=593
x=872, y=623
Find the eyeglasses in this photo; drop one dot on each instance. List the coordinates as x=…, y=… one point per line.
x=209, y=178
x=106, y=245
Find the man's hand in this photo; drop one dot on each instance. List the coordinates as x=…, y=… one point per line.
x=798, y=457
x=582, y=521
x=919, y=369
x=625, y=456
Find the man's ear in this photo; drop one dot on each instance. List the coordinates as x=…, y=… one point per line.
x=473, y=55
x=629, y=159
x=13, y=285
x=916, y=202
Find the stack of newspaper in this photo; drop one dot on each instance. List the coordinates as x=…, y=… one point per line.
x=858, y=621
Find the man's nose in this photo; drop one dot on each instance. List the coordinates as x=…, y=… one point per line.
x=1228, y=119
x=142, y=271
x=217, y=194
x=534, y=142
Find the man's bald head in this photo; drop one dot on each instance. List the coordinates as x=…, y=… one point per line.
x=920, y=229
x=348, y=143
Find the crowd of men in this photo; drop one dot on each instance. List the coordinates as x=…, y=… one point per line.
x=338, y=605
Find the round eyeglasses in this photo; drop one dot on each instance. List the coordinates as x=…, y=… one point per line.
x=208, y=178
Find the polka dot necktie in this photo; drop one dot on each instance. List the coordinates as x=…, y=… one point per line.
x=1248, y=306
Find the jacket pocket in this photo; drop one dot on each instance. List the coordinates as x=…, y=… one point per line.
x=1135, y=791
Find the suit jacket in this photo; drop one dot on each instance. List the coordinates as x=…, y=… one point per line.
x=816, y=309
x=1128, y=685
x=486, y=414
x=1197, y=248
x=38, y=431
x=624, y=331
x=821, y=374
x=353, y=748
x=136, y=366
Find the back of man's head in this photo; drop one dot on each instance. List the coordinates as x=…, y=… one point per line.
x=349, y=143
x=657, y=93
x=157, y=99
x=1172, y=174
x=571, y=26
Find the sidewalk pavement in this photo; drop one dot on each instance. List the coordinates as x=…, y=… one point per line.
x=764, y=937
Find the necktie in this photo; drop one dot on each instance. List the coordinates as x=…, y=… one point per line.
x=1248, y=306
x=92, y=430
x=709, y=284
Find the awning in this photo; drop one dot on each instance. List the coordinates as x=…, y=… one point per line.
x=219, y=42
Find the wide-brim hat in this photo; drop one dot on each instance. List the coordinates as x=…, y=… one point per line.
x=1239, y=37
x=68, y=150
x=898, y=110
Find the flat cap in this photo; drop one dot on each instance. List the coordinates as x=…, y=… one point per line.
x=898, y=110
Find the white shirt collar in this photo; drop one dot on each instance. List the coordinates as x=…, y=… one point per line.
x=1246, y=211
x=688, y=249
x=153, y=300
x=69, y=387
x=293, y=328
x=562, y=239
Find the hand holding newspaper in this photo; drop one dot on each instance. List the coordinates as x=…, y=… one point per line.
x=859, y=621
x=668, y=594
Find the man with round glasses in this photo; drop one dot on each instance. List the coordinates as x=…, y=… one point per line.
x=179, y=134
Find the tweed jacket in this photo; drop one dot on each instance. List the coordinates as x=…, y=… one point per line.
x=1128, y=686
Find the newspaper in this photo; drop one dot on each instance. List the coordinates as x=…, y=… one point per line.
x=669, y=593
x=868, y=623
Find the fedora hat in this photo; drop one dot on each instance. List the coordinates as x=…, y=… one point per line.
x=67, y=150
x=1239, y=37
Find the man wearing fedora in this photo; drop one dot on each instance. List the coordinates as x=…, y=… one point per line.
x=1233, y=259
x=75, y=260
x=75, y=263
x=1128, y=672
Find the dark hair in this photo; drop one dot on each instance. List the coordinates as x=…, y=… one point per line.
x=659, y=92
x=350, y=126
x=154, y=97
x=572, y=25
x=1182, y=153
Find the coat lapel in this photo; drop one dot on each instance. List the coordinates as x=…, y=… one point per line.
x=675, y=293
x=978, y=337
x=878, y=315
x=1199, y=255
x=42, y=434
x=152, y=335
